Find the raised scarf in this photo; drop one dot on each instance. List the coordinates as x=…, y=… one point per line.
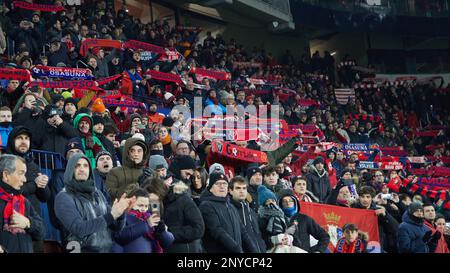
x=30, y=6
x=166, y=140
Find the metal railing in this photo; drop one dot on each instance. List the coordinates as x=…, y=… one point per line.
x=422, y=8
x=48, y=160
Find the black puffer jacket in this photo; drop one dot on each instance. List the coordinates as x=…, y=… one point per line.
x=55, y=139
x=307, y=226
x=224, y=231
x=318, y=184
x=249, y=219
x=184, y=220
x=30, y=190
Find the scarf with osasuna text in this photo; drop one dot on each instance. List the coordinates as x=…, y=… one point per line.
x=62, y=72
x=343, y=246
x=13, y=203
x=218, y=75
x=143, y=216
x=30, y=6
x=90, y=43
x=127, y=103
x=14, y=74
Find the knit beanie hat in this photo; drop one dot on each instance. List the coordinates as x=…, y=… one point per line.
x=70, y=100
x=157, y=162
x=413, y=207
x=87, y=119
x=214, y=177
x=98, y=119
x=73, y=143
x=135, y=115
x=101, y=153
x=184, y=162
x=66, y=95
x=98, y=106
x=265, y=194
x=216, y=167
x=318, y=159
x=251, y=171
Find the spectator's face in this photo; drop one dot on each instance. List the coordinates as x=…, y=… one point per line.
x=183, y=149
x=93, y=62
x=60, y=104
x=365, y=200
x=352, y=128
x=17, y=178
x=212, y=94
x=239, y=191
x=319, y=166
x=5, y=116
x=288, y=159
x=347, y=175
x=83, y=126
x=84, y=31
x=162, y=172
x=280, y=168
x=197, y=181
x=271, y=179
x=104, y=164
x=142, y=204
x=418, y=213
x=136, y=122
x=340, y=155
x=157, y=147
x=163, y=133
x=186, y=174
x=440, y=224
x=241, y=96
x=98, y=128
x=71, y=152
x=256, y=179
x=13, y=84
x=29, y=102
x=136, y=154
x=22, y=143
x=35, y=18
x=429, y=213
x=351, y=166
x=287, y=202
x=220, y=188
x=350, y=235
x=137, y=56
x=379, y=177
x=153, y=108
x=111, y=137
x=344, y=194
x=70, y=108
x=300, y=186
x=354, y=158
x=82, y=170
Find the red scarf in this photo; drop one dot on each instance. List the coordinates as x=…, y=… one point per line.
x=168, y=77
x=218, y=75
x=143, y=216
x=14, y=74
x=30, y=6
x=343, y=246
x=89, y=43
x=13, y=202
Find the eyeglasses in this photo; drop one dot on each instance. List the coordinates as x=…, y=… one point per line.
x=221, y=184
x=288, y=201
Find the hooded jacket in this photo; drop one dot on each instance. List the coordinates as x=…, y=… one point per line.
x=305, y=227
x=184, y=220
x=410, y=236
x=85, y=216
x=318, y=184
x=124, y=178
x=88, y=152
x=224, y=231
x=30, y=190
x=55, y=139
x=249, y=219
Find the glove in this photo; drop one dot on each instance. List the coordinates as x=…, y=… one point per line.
x=160, y=227
x=427, y=236
x=436, y=236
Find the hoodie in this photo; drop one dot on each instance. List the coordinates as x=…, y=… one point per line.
x=124, y=178
x=318, y=183
x=84, y=213
x=29, y=189
x=89, y=152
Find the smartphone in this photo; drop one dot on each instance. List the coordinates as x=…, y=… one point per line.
x=155, y=208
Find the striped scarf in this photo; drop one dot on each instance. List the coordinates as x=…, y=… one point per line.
x=343, y=246
x=13, y=203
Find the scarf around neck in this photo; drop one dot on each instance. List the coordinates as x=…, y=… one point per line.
x=14, y=201
x=150, y=235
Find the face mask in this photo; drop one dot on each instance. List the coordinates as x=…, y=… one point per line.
x=157, y=152
x=290, y=211
x=5, y=124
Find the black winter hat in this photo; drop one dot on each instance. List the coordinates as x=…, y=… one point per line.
x=251, y=171
x=414, y=207
x=184, y=162
x=214, y=177
x=71, y=100
x=98, y=119
x=318, y=159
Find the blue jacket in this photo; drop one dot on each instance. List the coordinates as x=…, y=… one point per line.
x=131, y=239
x=4, y=134
x=410, y=236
